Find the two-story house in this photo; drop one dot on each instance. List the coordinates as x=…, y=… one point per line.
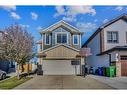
x=109, y=45
x=59, y=46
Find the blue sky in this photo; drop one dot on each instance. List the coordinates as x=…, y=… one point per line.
x=86, y=18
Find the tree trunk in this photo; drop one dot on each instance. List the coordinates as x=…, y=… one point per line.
x=22, y=70
x=18, y=77
x=28, y=68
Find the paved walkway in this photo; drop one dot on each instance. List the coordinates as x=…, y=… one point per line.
x=63, y=82
x=11, y=74
x=116, y=82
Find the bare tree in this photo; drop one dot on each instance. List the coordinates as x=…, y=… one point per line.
x=17, y=45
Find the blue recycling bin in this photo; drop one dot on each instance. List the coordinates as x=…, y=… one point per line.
x=100, y=71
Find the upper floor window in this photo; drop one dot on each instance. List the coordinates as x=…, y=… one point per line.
x=75, y=39
x=112, y=37
x=47, y=39
x=61, y=38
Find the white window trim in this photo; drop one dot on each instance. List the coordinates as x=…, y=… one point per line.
x=60, y=33
x=112, y=38
x=49, y=39
x=78, y=39
x=42, y=42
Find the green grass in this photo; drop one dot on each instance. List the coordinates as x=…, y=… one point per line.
x=12, y=82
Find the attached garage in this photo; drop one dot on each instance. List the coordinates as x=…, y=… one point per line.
x=58, y=61
x=60, y=67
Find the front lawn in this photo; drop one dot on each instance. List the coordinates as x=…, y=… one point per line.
x=12, y=82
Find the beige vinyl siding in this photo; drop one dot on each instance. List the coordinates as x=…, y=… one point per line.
x=61, y=52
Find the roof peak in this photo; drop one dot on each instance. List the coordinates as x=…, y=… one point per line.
x=113, y=20
x=61, y=22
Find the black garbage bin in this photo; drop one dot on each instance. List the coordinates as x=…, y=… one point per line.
x=39, y=70
x=91, y=70
x=83, y=70
x=96, y=72
x=39, y=67
x=104, y=71
x=86, y=70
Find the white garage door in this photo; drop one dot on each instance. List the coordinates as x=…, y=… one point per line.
x=59, y=67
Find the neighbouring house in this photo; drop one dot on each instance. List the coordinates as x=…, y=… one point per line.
x=109, y=46
x=58, y=48
x=5, y=65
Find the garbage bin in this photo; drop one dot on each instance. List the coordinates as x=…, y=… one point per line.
x=100, y=71
x=111, y=71
x=86, y=69
x=96, y=72
x=39, y=70
x=91, y=70
x=104, y=71
x=83, y=70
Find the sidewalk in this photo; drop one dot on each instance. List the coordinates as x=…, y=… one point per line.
x=116, y=82
x=11, y=74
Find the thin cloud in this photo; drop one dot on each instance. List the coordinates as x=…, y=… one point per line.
x=9, y=7
x=105, y=20
x=34, y=16
x=119, y=8
x=86, y=27
x=60, y=11
x=70, y=12
x=15, y=16
x=25, y=25
x=69, y=19
x=39, y=28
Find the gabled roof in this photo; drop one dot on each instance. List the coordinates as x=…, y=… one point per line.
x=123, y=17
x=61, y=23
x=117, y=48
x=61, y=45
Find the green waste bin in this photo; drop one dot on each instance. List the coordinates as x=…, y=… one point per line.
x=111, y=71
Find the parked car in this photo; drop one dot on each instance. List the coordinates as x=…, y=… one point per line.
x=2, y=74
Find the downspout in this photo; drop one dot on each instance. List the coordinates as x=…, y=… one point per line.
x=42, y=41
x=109, y=59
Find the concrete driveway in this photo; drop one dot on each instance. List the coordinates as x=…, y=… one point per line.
x=63, y=82
x=115, y=82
